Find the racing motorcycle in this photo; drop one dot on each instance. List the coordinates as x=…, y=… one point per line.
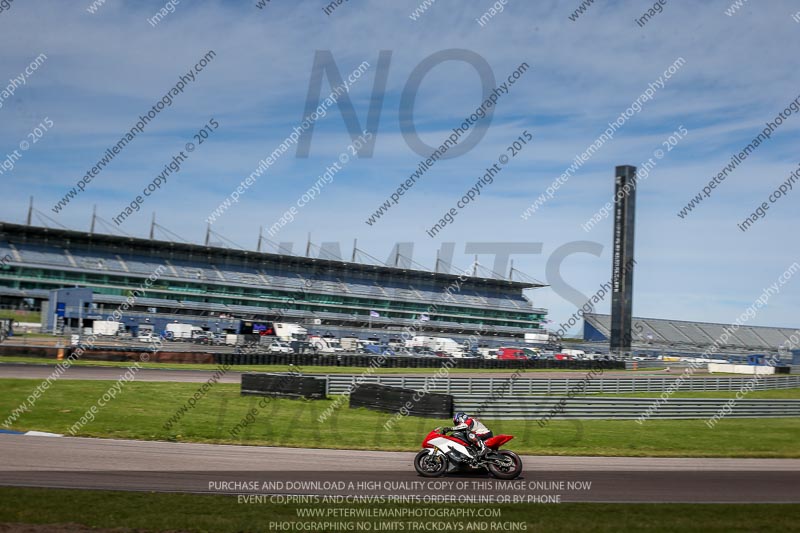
x=442, y=453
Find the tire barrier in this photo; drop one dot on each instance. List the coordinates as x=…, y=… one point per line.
x=359, y=360
x=125, y=355
x=407, y=401
x=283, y=385
x=45, y=352
x=107, y=353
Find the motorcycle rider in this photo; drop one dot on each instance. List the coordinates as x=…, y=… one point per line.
x=477, y=433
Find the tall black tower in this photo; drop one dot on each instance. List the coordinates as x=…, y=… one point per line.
x=622, y=262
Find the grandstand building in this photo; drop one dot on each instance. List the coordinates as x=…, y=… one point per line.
x=682, y=334
x=218, y=288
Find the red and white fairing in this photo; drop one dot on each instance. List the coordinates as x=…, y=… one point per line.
x=446, y=443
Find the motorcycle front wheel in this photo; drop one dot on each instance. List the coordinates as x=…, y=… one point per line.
x=428, y=464
x=509, y=468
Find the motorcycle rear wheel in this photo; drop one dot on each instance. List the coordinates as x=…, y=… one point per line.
x=428, y=464
x=506, y=472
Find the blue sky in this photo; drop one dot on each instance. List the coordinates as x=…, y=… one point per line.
x=104, y=69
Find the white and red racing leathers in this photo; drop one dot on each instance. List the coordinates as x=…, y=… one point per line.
x=476, y=433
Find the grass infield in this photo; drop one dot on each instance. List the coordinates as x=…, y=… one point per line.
x=141, y=410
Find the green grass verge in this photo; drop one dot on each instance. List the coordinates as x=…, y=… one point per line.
x=223, y=514
x=282, y=368
x=141, y=410
x=21, y=316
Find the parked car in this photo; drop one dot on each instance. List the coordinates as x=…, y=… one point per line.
x=378, y=349
x=531, y=353
x=511, y=354
x=487, y=353
x=201, y=338
x=279, y=347
x=574, y=354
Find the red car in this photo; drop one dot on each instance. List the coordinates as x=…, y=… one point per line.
x=513, y=354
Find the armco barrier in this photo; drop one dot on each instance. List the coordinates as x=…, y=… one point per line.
x=339, y=383
x=285, y=385
x=393, y=399
x=361, y=360
x=581, y=407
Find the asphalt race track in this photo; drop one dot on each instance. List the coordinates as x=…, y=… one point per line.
x=80, y=463
x=112, y=373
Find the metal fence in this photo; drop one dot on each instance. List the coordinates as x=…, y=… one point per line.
x=339, y=384
x=545, y=407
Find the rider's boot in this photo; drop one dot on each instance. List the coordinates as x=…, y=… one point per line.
x=476, y=454
x=481, y=451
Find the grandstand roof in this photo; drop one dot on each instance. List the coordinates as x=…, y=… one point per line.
x=168, y=249
x=684, y=333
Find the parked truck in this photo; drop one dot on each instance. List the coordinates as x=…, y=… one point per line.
x=287, y=331
x=179, y=331
x=537, y=338
x=421, y=341
x=449, y=346
x=352, y=344
x=232, y=339
x=146, y=333
x=445, y=345
x=325, y=344
x=106, y=327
